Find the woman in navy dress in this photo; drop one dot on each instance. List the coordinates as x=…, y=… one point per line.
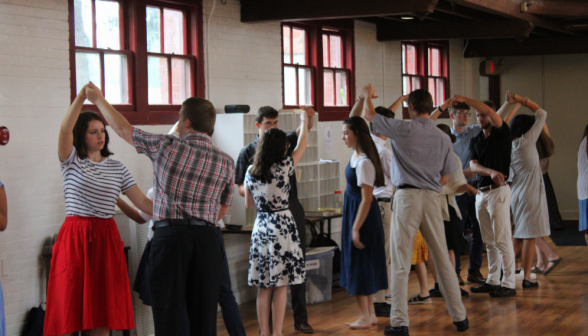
x=363, y=258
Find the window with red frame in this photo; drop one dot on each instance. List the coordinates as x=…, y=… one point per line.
x=99, y=49
x=168, y=61
x=298, y=73
x=141, y=53
x=334, y=73
x=425, y=66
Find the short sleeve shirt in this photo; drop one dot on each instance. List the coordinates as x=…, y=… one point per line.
x=246, y=159
x=191, y=178
x=461, y=147
x=492, y=152
x=421, y=153
x=365, y=171
x=91, y=189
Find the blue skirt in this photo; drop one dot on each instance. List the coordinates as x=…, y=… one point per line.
x=583, y=214
x=363, y=272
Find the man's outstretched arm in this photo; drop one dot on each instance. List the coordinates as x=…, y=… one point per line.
x=495, y=119
x=119, y=124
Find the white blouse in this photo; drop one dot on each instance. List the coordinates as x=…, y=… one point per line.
x=364, y=169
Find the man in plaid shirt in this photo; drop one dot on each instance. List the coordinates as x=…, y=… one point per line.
x=193, y=185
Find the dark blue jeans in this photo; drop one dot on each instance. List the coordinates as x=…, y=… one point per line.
x=467, y=207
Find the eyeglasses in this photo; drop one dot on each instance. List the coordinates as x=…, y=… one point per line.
x=463, y=113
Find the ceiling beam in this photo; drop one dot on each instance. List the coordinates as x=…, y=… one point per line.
x=300, y=10
x=529, y=47
x=391, y=31
x=512, y=9
x=558, y=8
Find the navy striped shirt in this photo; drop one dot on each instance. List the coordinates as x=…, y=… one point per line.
x=91, y=189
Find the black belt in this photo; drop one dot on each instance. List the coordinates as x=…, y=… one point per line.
x=407, y=186
x=384, y=199
x=181, y=222
x=272, y=211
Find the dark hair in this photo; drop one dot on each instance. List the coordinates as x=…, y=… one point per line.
x=521, y=124
x=585, y=132
x=266, y=112
x=459, y=106
x=201, y=114
x=421, y=100
x=545, y=145
x=447, y=130
x=270, y=150
x=383, y=112
x=491, y=104
x=79, y=135
x=365, y=143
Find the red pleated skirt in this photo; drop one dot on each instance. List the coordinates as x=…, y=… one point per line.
x=88, y=282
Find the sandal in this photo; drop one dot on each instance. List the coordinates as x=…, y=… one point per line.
x=555, y=262
x=420, y=300
x=536, y=270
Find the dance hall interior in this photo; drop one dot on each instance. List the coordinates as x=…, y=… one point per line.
x=271, y=167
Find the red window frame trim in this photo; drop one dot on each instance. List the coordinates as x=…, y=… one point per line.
x=423, y=63
x=297, y=66
x=133, y=40
x=343, y=68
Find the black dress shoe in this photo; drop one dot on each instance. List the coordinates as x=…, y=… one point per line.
x=304, y=328
x=460, y=280
x=464, y=293
x=529, y=284
x=462, y=325
x=476, y=277
x=435, y=292
x=396, y=331
x=484, y=288
x=503, y=292
x=382, y=309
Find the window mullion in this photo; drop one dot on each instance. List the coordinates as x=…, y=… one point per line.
x=291, y=45
x=169, y=80
x=297, y=86
x=102, y=75
x=94, y=42
x=161, y=37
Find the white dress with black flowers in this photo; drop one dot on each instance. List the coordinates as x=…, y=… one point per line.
x=275, y=257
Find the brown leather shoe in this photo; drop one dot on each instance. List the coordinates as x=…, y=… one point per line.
x=461, y=282
x=476, y=277
x=304, y=328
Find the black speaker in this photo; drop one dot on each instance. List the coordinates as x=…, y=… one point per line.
x=237, y=108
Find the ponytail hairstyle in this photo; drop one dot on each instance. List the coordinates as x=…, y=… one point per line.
x=79, y=134
x=271, y=149
x=545, y=146
x=365, y=144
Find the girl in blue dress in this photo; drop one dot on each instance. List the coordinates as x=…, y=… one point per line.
x=363, y=258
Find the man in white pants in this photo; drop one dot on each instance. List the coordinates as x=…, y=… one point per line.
x=490, y=159
x=422, y=159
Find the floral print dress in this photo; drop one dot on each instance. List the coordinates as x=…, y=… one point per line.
x=275, y=257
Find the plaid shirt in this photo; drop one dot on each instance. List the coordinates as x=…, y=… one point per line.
x=245, y=159
x=191, y=178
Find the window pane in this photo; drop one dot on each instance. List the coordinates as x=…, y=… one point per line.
x=409, y=58
x=434, y=62
x=153, y=33
x=286, y=32
x=290, y=86
x=416, y=83
x=181, y=87
x=116, y=79
x=304, y=87
x=341, y=88
x=336, y=59
x=326, y=50
x=173, y=32
x=157, y=79
x=107, y=25
x=87, y=69
x=299, y=46
x=406, y=86
x=83, y=23
x=329, y=88
x=433, y=91
x=440, y=84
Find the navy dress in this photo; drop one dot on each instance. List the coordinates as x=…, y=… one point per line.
x=363, y=272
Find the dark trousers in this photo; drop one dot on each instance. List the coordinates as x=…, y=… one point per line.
x=298, y=292
x=184, y=271
x=467, y=207
x=226, y=299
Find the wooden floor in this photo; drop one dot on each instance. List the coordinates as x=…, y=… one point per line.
x=558, y=307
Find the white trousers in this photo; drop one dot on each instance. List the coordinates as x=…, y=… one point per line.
x=415, y=209
x=493, y=210
x=386, y=212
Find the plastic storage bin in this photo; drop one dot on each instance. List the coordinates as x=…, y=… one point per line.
x=319, y=274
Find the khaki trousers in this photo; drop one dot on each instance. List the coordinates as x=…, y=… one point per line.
x=416, y=209
x=386, y=212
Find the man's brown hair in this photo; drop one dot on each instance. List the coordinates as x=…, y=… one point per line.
x=201, y=114
x=421, y=100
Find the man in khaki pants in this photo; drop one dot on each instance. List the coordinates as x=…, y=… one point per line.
x=422, y=159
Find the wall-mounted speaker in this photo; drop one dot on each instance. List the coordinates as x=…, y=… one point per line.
x=237, y=108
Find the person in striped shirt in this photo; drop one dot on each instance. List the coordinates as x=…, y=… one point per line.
x=88, y=282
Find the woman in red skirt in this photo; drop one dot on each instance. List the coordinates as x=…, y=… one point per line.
x=88, y=283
